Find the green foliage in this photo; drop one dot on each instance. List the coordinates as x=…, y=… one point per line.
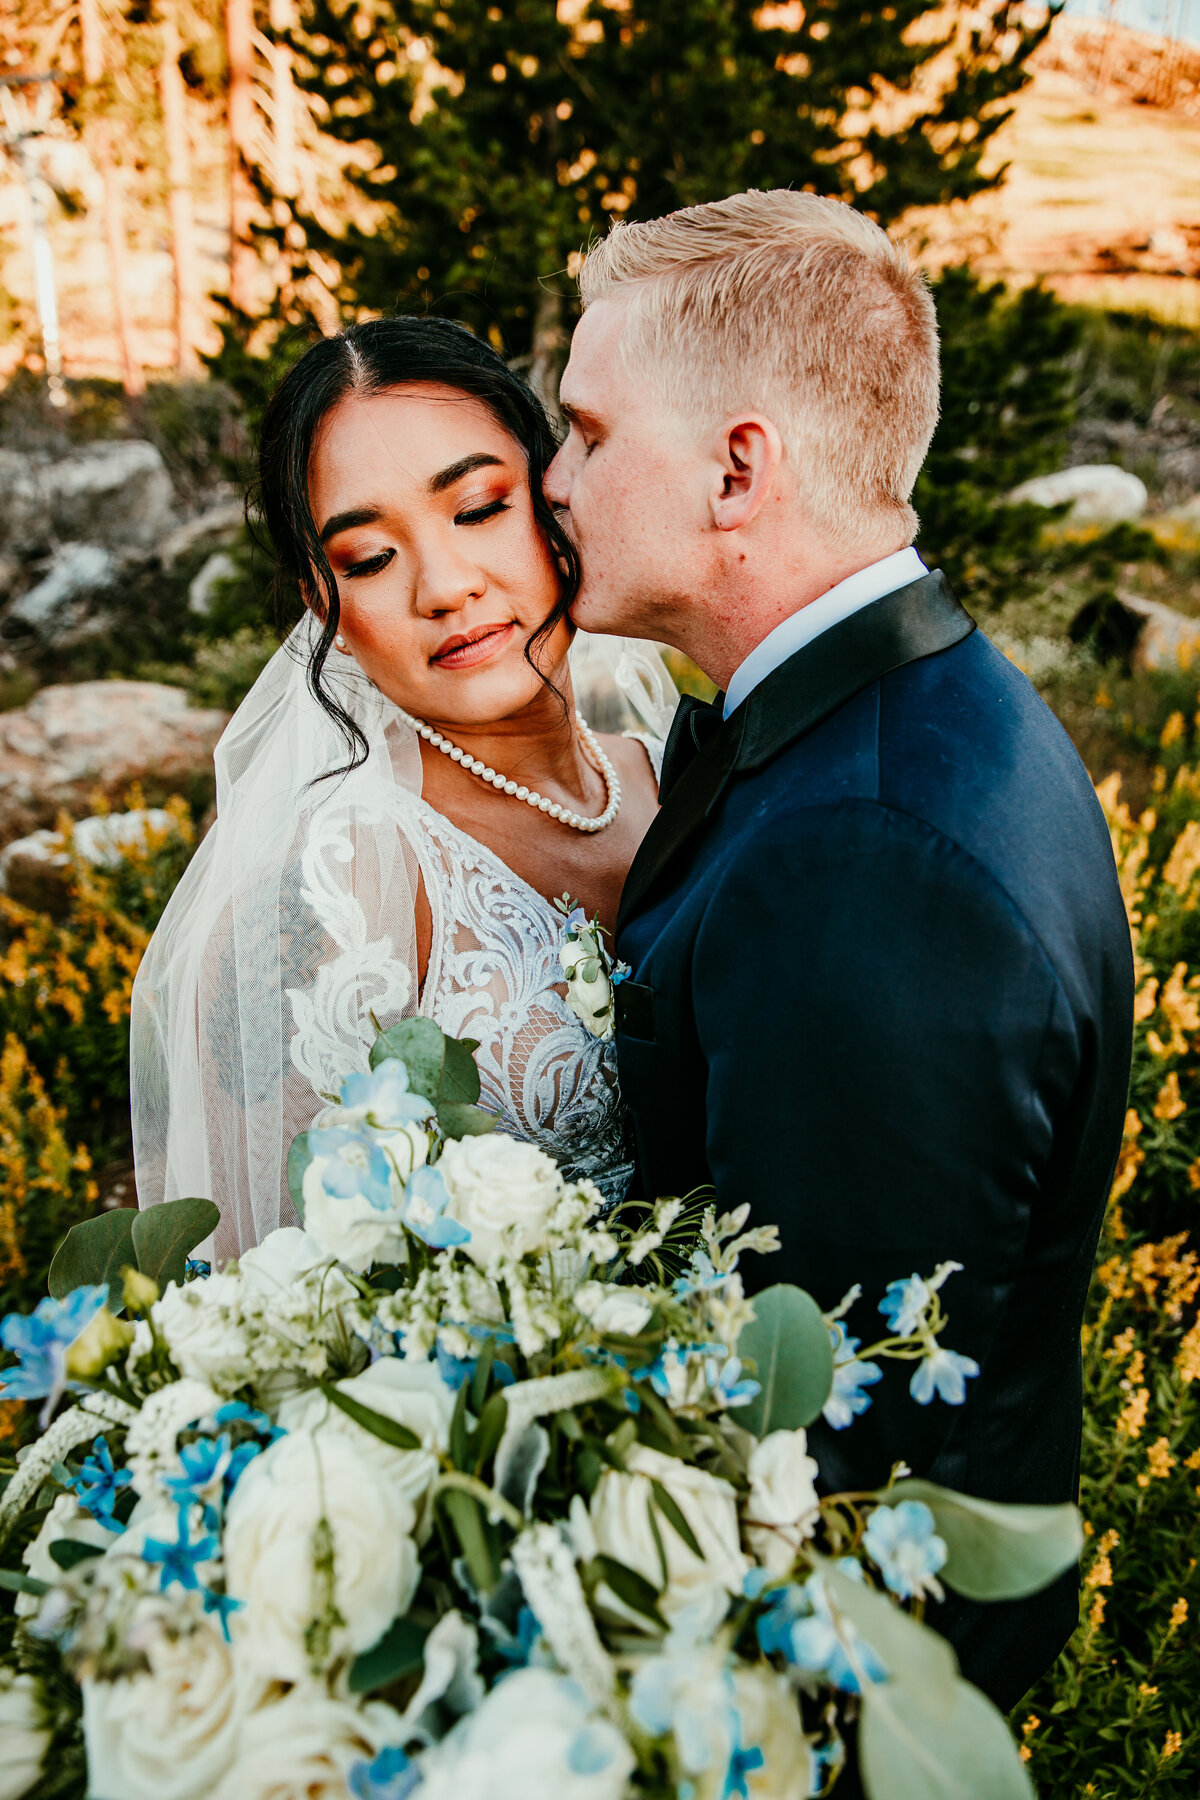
x=521, y=135
x=997, y=1552
x=793, y=1361
x=442, y=1070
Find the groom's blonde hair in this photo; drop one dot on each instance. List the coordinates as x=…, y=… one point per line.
x=800, y=308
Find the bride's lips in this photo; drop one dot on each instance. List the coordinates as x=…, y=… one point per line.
x=466, y=648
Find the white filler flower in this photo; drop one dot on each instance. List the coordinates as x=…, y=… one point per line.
x=350, y=1593
x=200, y=1324
x=502, y=1191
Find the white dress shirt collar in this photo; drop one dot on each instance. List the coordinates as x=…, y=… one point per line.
x=791, y=634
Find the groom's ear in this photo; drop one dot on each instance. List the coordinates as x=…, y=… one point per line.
x=749, y=453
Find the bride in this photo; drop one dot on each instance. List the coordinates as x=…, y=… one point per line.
x=401, y=795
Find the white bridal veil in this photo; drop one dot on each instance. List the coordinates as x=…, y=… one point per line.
x=294, y=922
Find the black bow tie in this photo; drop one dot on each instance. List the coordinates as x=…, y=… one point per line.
x=694, y=723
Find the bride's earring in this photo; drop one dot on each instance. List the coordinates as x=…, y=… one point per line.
x=340, y=641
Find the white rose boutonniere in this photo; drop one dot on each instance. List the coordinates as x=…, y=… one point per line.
x=592, y=975
x=623, y=1527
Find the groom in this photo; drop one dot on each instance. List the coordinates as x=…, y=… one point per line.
x=881, y=977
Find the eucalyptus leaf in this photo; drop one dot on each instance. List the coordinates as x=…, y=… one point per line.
x=299, y=1157
x=917, y=1746
x=460, y=1077
x=13, y=1582
x=789, y=1343
x=457, y=1120
x=466, y=1516
x=672, y=1512
x=93, y=1253
x=389, y=1431
x=911, y=1653
x=68, y=1553
x=401, y=1648
x=997, y=1552
x=640, y=1595
x=163, y=1235
x=492, y=1422
x=421, y=1047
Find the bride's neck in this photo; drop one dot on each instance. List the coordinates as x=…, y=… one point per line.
x=538, y=746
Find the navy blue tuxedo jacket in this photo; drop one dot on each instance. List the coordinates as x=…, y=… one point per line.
x=882, y=989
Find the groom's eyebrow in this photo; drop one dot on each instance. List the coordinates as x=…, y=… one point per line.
x=466, y=465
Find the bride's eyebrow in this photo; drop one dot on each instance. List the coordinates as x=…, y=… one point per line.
x=346, y=521
x=466, y=465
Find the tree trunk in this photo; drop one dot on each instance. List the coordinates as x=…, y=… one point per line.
x=239, y=41
x=179, y=194
x=92, y=47
x=549, y=353
x=283, y=98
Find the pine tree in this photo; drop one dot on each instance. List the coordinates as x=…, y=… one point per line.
x=504, y=137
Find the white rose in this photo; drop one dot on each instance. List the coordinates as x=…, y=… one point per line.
x=534, y=1736
x=769, y=1720
x=352, y=1230
x=297, y=1482
x=152, y=1438
x=620, y=1523
x=24, y=1734
x=169, y=1732
x=205, y=1342
x=66, y=1519
x=304, y=1746
x=619, y=1310
x=284, y=1257
x=590, y=1001
x=412, y=1394
x=781, y=1508
x=503, y=1191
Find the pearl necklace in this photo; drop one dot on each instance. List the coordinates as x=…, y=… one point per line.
x=503, y=785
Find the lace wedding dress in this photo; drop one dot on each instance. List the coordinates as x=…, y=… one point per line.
x=295, y=925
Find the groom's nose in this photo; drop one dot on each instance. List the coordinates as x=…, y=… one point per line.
x=556, y=482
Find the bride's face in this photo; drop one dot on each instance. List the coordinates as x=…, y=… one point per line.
x=421, y=500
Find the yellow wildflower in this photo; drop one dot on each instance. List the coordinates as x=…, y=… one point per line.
x=1122, y=1344
x=1159, y=1463
x=1136, y=1371
x=1096, y=1615
x=1108, y=1542
x=1193, y=1461
x=1031, y=1724
x=1025, y=1753
x=1172, y=1744
x=1170, y=1103
x=1131, y=1158
x=1179, y=1613
x=1133, y=1413
x=1145, y=1688
x=1104, y=699
x=1100, y=1574
x=1184, y=859
x=1187, y=1361
x=1145, y=1000
x=1173, y=730
x=1181, y=1012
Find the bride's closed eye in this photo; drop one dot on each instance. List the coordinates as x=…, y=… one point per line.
x=370, y=565
x=476, y=515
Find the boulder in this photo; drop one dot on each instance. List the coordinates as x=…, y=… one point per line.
x=1097, y=493
x=218, y=525
x=217, y=568
x=1143, y=634
x=36, y=870
x=76, y=573
x=115, y=494
x=74, y=741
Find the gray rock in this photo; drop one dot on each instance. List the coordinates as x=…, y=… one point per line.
x=219, y=567
x=1144, y=634
x=115, y=494
x=36, y=870
x=219, y=525
x=73, y=741
x=1098, y=493
x=76, y=572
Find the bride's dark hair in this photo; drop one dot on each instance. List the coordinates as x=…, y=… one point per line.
x=368, y=359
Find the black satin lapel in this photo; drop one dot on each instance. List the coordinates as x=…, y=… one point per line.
x=914, y=622
x=690, y=801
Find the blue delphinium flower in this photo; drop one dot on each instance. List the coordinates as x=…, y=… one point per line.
x=211, y=1469
x=903, y=1544
x=745, y=1760
x=355, y=1167
x=797, y=1623
x=904, y=1304
x=180, y=1560
x=700, y=1277
x=98, y=1484
x=846, y=1398
x=41, y=1340
x=391, y=1776
x=224, y=1605
x=236, y=1412
x=424, y=1210
x=591, y=1750
x=196, y=1269
x=727, y=1384
x=385, y=1097
x=945, y=1372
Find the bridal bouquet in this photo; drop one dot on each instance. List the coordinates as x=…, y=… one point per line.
x=466, y=1490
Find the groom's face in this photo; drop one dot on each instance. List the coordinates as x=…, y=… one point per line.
x=628, y=484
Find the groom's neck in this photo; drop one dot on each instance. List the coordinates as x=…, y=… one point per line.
x=753, y=589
